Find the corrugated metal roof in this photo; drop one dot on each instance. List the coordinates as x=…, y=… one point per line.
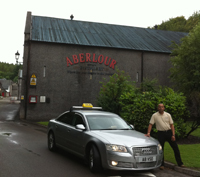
x=47, y=29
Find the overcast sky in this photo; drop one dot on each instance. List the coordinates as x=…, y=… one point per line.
x=137, y=13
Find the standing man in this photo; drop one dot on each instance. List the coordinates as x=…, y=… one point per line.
x=166, y=132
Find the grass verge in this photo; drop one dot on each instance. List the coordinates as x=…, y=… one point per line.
x=43, y=123
x=189, y=153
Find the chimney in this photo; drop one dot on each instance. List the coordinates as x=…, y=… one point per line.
x=156, y=27
x=71, y=16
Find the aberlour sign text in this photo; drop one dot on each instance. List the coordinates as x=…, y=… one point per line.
x=87, y=57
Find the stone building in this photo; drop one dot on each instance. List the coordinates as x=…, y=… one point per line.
x=64, y=61
x=6, y=87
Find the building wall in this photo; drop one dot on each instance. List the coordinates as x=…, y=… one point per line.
x=156, y=66
x=66, y=83
x=26, y=58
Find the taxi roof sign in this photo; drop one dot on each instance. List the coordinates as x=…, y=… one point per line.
x=85, y=106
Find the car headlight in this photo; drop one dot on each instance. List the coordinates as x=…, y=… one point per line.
x=116, y=148
x=159, y=147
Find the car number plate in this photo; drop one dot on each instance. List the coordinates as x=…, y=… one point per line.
x=147, y=159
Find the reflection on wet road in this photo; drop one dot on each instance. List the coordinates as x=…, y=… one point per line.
x=8, y=111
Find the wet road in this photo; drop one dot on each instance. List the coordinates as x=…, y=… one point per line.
x=8, y=109
x=24, y=153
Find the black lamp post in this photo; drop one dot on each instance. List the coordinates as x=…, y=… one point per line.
x=17, y=56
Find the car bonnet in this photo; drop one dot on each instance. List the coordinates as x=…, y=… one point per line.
x=126, y=138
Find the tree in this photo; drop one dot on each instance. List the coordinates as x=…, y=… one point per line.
x=185, y=72
x=9, y=71
x=192, y=21
x=186, y=62
x=174, y=24
x=180, y=24
x=194, y=102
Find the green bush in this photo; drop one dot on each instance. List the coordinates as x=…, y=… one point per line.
x=138, y=107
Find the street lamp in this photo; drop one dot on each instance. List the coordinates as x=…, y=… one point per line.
x=19, y=82
x=17, y=56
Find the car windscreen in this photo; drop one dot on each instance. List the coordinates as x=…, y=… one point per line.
x=106, y=122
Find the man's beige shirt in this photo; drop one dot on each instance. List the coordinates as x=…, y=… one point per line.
x=162, y=121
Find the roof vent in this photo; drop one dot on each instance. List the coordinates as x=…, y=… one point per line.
x=156, y=27
x=71, y=16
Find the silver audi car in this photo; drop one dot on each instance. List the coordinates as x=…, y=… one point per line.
x=103, y=139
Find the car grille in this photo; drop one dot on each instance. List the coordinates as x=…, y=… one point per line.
x=145, y=151
x=142, y=151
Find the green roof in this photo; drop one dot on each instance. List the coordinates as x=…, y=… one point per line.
x=47, y=29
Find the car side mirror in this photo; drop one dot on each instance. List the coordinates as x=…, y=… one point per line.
x=132, y=127
x=80, y=127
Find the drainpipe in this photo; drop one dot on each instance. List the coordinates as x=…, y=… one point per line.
x=142, y=68
x=142, y=65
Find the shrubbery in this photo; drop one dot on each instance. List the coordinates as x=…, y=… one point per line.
x=136, y=105
x=111, y=91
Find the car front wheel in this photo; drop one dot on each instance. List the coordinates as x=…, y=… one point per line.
x=94, y=159
x=51, y=142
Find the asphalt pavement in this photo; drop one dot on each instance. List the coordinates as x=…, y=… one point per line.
x=185, y=170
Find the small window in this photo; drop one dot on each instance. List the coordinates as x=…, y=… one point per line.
x=137, y=77
x=44, y=71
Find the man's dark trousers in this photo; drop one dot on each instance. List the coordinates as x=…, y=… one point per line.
x=164, y=136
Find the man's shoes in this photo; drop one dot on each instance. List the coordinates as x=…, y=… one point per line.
x=162, y=167
x=182, y=166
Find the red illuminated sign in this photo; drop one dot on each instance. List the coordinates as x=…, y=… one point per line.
x=88, y=58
